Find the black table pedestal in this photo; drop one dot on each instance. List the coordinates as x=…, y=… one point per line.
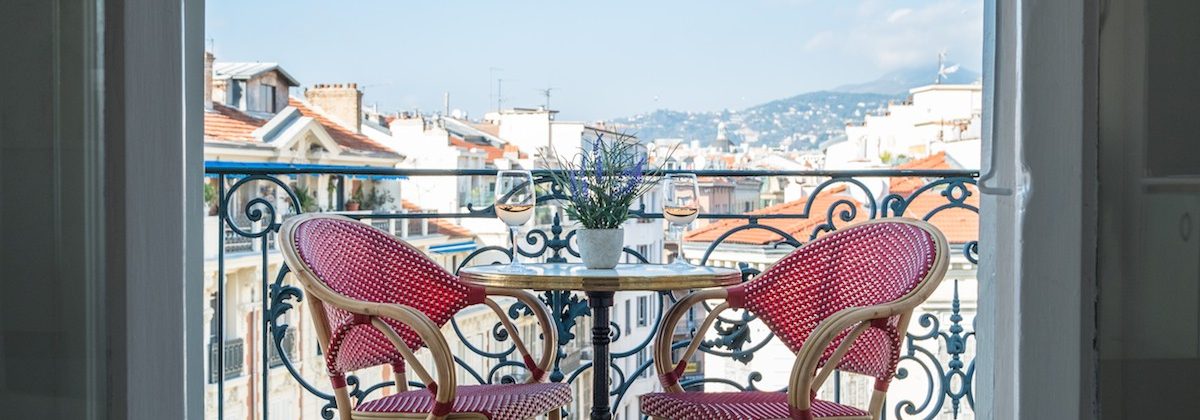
x=600, y=286
x=600, y=302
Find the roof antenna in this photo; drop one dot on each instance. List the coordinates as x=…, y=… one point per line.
x=499, y=95
x=492, y=86
x=546, y=92
x=943, y=71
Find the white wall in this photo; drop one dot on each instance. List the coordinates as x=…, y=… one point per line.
x=915, y=129
x=426, y=146
x=567, y=138
x=1038, y=213
x=528, y=131
x=948, y=101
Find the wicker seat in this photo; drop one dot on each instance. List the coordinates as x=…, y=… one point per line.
x=735, y=406
x=496, y=402
x=375, y=300
x=840, y=302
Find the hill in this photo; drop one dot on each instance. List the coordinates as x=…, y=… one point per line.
x=800, y=122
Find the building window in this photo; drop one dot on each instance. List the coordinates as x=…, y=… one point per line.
x=641, y=360
x=691, y=319
x=214, y=327
x=643, y=310
x=628, y=309
x=234, y=97
x=268, y=92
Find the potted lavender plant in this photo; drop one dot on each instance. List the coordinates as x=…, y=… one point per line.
x=601, y=183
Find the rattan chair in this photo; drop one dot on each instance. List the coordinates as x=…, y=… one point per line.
x=375, y=300
x=840, y=302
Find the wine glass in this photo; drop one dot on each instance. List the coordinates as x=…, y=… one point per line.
x=514, y=205
x=680, y=207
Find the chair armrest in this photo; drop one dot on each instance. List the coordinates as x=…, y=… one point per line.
x=549, y=332
x=444, y=384
x=804, y=377
x=668, y=370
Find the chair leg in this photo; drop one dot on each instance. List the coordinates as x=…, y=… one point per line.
x=342, y=398
x=401, y=382
x=876, y=405
x=555, y=414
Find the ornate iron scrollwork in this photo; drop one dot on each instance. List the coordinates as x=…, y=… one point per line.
x=950, y=384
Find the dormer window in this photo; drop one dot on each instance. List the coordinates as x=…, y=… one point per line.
x=237, y=96
x=268, y=99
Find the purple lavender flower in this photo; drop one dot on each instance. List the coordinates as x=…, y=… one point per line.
x=584, y=189
x=633, y=178
x=596, y=154
x=573, y=179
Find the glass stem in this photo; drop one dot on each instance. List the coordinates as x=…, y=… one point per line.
x=516, y=255
x=678, y=251
x=679, y=237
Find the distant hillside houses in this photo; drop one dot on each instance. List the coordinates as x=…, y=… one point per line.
x=800, y=122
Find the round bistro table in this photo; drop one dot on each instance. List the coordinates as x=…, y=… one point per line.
x=599, y=286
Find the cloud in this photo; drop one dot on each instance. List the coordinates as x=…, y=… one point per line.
x=898, y=14
x=818, y=40
x=912, y=36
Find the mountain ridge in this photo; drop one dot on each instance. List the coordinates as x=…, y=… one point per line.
x=900, y=81
x=800, y=122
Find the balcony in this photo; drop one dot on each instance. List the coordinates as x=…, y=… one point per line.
x=936, y=371
x=233, y=352
x=287, y=344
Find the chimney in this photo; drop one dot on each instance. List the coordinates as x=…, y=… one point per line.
x=343, y=102
x=208, y=79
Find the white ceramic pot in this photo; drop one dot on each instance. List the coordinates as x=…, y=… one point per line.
x=601, y=248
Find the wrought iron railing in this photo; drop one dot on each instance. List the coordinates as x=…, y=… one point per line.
x=286, y=348
x=232, y=352
x=935, y=353
x=237, y=243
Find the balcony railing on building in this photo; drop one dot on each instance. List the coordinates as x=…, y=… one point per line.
x=938, y=357
x=234, y=351
x=288, y=347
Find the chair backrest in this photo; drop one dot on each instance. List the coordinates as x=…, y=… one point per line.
x=337, y=255
x=872, y=263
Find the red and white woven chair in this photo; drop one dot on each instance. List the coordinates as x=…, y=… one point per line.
x=375, y=300
x=841, y=302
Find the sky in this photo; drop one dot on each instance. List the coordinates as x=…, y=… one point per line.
x=601, y=59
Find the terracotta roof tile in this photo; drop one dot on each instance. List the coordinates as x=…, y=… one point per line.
x=344, y=137
x=225, y=123
x=443, y=226
x=493, y=152
x=958, y=224
x=910, y=184
x=801, y=229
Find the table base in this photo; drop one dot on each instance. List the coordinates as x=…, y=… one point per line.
x=601, y=303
